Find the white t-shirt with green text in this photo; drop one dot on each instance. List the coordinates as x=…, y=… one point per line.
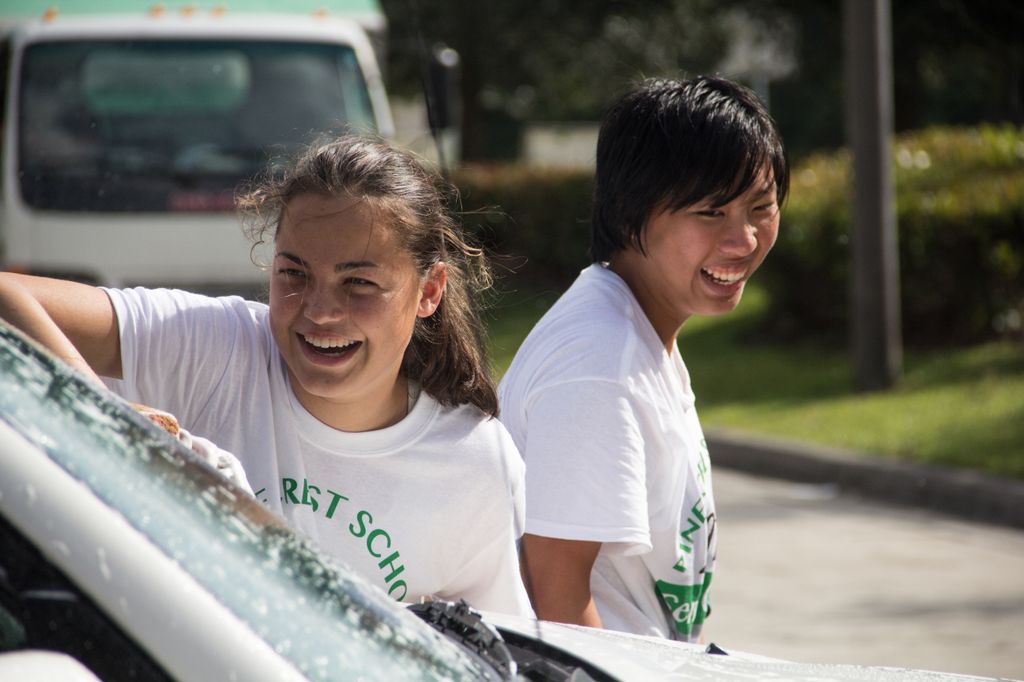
x=605, y=420
x=429, y=507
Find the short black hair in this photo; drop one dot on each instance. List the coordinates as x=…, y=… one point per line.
x=669, y=144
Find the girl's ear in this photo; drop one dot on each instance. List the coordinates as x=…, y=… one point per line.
x=432, y=289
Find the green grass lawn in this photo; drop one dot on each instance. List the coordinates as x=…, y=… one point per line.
x=961, y=407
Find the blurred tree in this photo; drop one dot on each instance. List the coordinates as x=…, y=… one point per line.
x=549, y=59
x=956, y=61
x=808, y=102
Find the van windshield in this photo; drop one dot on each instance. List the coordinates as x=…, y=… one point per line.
x=159, y=126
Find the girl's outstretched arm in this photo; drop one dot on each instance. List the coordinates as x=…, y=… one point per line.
x=74, y=321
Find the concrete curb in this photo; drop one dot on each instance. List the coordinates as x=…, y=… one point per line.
x=967, y=494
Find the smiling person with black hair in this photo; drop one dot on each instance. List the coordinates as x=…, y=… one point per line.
x=620, y=528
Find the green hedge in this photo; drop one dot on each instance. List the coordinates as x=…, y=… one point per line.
x=535, y=222
x=960, y=211
x=960, y=208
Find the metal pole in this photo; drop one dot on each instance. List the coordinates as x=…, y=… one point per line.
x=876, y=340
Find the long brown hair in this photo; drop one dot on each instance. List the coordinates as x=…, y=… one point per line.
x=447, y=354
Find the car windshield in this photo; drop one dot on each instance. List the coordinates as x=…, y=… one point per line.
x=166, y=126
x=315, y=613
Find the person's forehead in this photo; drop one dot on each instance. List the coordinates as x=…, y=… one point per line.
x=324, y=229
x=306, y=208
x=759, y=185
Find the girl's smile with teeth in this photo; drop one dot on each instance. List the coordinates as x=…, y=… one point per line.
x=327, y=351
x=723, y=276
x=327, y=343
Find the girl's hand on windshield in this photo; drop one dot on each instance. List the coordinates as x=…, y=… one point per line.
x=223, y=461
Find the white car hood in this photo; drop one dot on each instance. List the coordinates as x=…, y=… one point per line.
x=636, y=658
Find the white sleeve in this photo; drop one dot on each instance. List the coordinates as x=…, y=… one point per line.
x=586, y=467
x=175, y=348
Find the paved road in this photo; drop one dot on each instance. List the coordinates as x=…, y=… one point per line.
x=808, y=574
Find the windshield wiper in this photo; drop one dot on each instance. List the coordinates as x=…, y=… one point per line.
x=458, y=622
x=510, y=655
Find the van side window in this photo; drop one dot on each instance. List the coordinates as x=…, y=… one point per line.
x=41, y=609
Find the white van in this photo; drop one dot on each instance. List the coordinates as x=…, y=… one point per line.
x=128, y=127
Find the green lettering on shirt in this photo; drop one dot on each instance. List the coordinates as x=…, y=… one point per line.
x=376, y=540
x=333, y=506
x=288, y=486
x=686, y=603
